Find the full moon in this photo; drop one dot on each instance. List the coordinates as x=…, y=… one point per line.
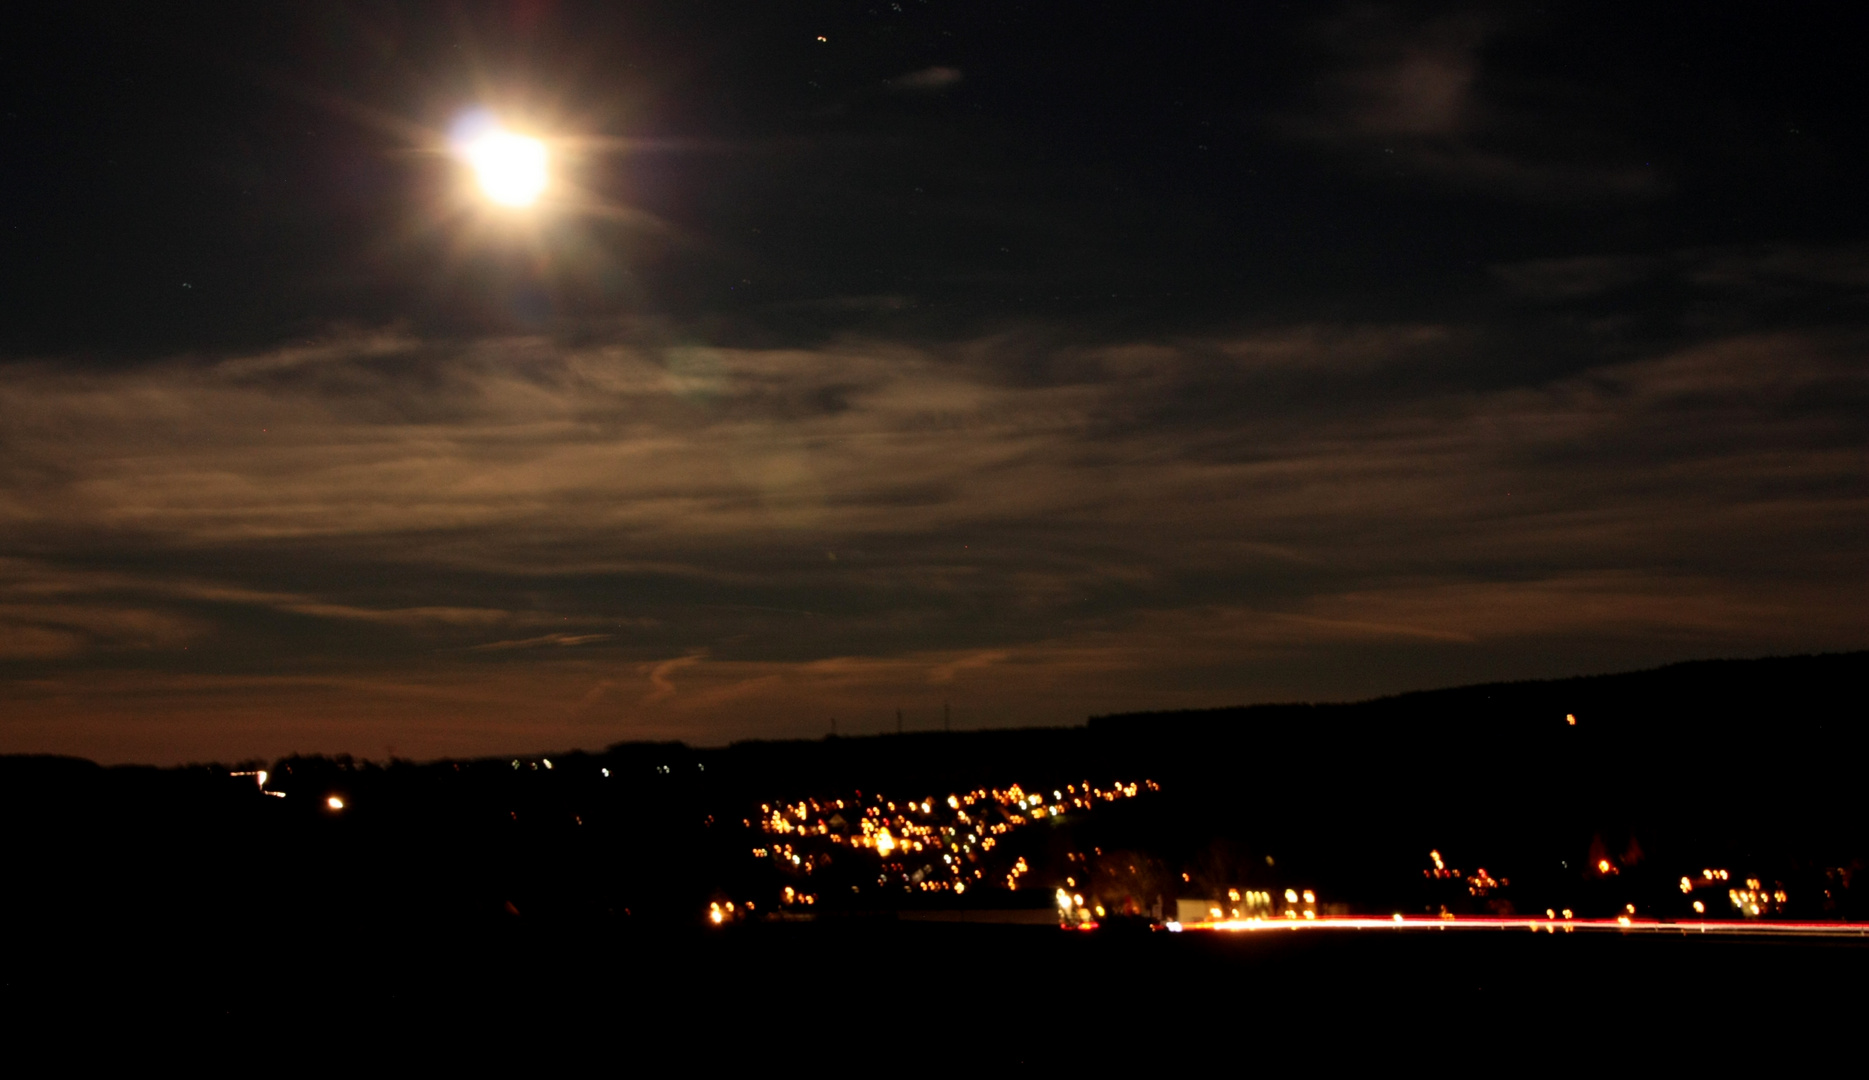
x=510, y=168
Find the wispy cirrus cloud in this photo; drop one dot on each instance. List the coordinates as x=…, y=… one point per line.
x=662, y=680
x=542, y=641
x=557, y=543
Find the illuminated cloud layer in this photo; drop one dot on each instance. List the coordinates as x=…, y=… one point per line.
x=383, y=541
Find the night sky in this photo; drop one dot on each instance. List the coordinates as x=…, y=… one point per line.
x=1032, y=360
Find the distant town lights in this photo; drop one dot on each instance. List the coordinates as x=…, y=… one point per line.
x=334, y=802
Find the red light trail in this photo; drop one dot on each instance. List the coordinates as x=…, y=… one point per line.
x=1492, y=922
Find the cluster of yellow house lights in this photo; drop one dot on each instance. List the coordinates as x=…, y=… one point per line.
x=1754, y=900
x=960, y=829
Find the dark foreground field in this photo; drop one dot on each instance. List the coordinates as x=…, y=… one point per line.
x=888, y=997
x=553, y=908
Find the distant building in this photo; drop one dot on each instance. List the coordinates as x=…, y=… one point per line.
x=1235, y=903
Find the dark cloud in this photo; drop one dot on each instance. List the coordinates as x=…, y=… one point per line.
x=1751, y=270
x=927, y=80
x=1558, y=280
x=1416, y=96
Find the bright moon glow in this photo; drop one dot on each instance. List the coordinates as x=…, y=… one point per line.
x=509, y=167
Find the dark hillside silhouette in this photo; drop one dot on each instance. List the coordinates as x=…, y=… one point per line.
x=1742, y=763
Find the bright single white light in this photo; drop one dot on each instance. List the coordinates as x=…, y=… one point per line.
x=511, y=168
